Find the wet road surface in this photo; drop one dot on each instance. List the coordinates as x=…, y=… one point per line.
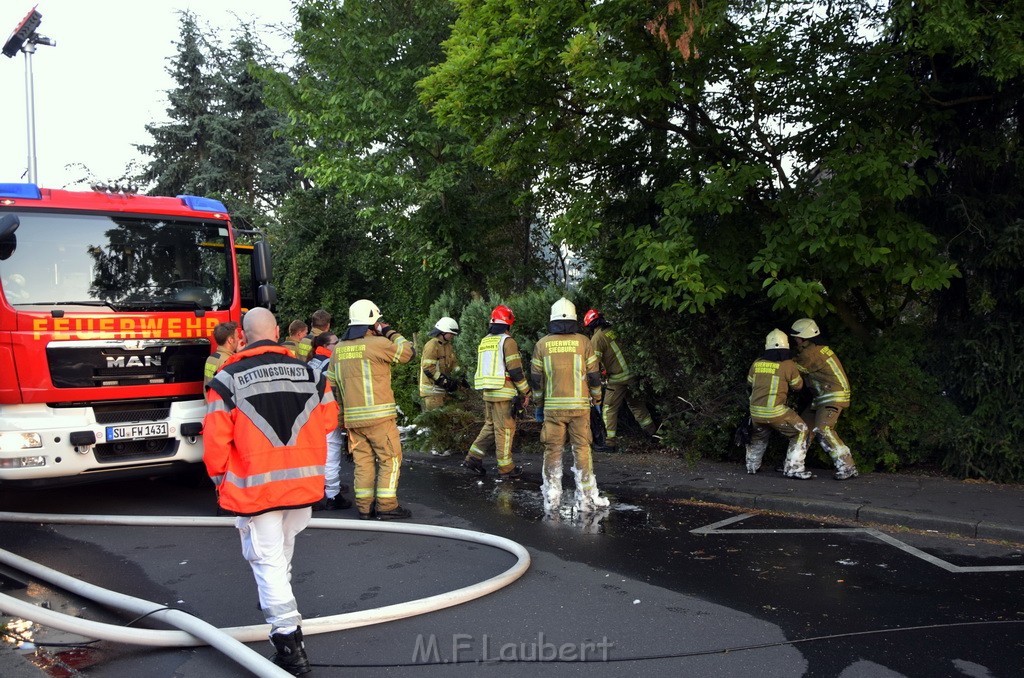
x=630, y=589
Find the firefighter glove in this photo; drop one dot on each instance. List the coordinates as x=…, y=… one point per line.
x=447, y=383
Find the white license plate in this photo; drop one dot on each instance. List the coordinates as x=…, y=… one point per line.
x=137, y=431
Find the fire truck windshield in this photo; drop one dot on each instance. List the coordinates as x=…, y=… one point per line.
x=124, y=263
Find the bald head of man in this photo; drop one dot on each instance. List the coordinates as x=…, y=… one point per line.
x=259, y=324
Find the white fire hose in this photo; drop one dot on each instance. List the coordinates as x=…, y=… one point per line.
x=195, y=631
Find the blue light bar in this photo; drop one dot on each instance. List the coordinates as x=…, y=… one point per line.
x=23, y=191
x=194, y=202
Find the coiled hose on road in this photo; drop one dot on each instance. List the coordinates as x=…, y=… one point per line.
x=195, y=631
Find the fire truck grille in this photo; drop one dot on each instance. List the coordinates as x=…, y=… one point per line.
x=104, y=416
x=136, y=449
x=96, y=364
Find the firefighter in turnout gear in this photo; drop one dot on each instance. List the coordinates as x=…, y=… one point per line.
x=264, y=433
x=771, y=377
x=567, y=379
x=621, y=383
x=500, y=375
x=438, y=364
x=825, y=376
x=296, y=331
x=321, y=322
x=226, y=336
x=360, y=368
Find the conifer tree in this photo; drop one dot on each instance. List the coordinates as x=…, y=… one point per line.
x=181, y=148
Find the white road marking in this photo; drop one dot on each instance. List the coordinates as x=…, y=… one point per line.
x=717, y=528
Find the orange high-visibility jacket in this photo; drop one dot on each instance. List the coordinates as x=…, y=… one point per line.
x=265, y=431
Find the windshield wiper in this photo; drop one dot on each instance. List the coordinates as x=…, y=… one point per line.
x=106, y=304
x=156, y=305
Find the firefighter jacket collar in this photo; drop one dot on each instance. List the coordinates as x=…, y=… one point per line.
x=258, y=348
x=355, y=332
x=563, y=327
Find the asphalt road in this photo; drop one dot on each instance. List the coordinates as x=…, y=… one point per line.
x=629, y=590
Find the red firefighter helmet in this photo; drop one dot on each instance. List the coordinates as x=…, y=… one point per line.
x=592, y=316
x=503, y=314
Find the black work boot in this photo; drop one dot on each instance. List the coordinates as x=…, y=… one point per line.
x=397, y=513
x=291, y=652
x=338, y=503
x=474, y=465
x=514, y=472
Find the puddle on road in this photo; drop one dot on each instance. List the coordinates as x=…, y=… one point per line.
x=56, y=653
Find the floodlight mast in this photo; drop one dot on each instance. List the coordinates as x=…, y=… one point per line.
x=24, y=39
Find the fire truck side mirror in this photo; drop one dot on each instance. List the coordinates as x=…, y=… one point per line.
x=8, y=241
x=266, y=296
x=8, y=225
x=261, y=268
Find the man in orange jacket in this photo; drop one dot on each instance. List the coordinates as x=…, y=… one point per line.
x=266, y=458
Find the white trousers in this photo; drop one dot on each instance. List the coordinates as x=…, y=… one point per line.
x=268, y=542
x=332, y=470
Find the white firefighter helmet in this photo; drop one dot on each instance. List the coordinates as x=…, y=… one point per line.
x=563, y=309
x=805, y=328
x=363, y=312
x=448, y=325
x=776, y=339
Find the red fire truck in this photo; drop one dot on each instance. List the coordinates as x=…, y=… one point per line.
x=108, y=302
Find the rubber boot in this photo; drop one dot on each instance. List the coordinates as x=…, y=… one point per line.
x=291, y=652
x=755, y=454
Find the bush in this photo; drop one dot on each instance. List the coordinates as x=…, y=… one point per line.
x=532, y=310
x=693, y=371
x=452, y=427
x=898, y=415
x=985, y=376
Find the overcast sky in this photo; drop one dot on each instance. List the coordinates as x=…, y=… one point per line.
x=105, y=80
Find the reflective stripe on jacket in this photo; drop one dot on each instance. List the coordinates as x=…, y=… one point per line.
x=825, y=375
x=610, y=357
x=319, y=361
x=565, y=373
x=499, y=369
x=361, y=370
x=265, y=431
x=490, y=362
x=214, y=363
x=305, y=346
x=438, y=358
x=769, y=387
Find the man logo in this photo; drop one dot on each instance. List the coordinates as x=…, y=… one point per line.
x=114, y=362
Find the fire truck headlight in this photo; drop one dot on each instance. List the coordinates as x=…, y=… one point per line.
x=17, y=441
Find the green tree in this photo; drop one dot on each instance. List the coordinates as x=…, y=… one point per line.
x=249, y=146
x=181, y=148
x=222, y=140
x=856, y=159
x=360, y=130
x=701, y=150
x=966, y=58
